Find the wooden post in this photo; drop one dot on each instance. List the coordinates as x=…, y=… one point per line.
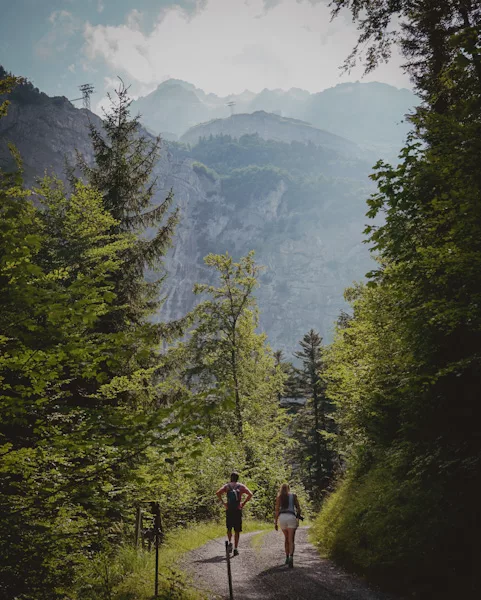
x=157, y=532
x=229, y=574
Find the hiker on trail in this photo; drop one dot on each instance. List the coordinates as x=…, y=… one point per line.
x=233, y=507
x=287, y=515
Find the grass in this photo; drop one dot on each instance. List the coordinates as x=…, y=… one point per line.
x=129, y=575
x=182, y=540
x=258, y=539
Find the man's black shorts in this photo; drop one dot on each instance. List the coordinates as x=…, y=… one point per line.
x=233, y=520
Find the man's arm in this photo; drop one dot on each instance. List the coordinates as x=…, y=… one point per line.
x=249, y=496
x=219, y=495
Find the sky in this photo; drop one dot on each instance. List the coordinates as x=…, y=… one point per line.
x=221, y=46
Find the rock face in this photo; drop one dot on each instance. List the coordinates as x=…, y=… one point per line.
x=311, y=246
x=271, y=127
x=47, y=135
x=310, y=252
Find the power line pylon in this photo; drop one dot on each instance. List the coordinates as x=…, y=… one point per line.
x=87, y=90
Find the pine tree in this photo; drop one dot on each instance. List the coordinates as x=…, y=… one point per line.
x=125, y=159
x=314, y=418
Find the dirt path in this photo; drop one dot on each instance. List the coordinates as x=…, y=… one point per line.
x=258, y=573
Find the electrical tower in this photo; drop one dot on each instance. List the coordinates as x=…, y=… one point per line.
x=87, y=90
x=231, y=105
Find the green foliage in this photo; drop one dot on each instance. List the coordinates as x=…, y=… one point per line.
x=21, y=91
x=233, y=373
x=7, y=83
x=202, y=170
x=124, y=161
x=404, y=371
x=395, y=522
x=226, y=154
x=313, y=427
x=55, y=287
x=81, y=402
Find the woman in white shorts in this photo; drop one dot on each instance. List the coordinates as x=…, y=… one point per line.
x=287, y=512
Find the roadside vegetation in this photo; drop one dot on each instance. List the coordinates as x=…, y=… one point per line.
x=403, y=371
x=104, y=411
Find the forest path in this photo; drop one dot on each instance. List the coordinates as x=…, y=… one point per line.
x=259, y=573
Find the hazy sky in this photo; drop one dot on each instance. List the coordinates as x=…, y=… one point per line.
x=222, y=46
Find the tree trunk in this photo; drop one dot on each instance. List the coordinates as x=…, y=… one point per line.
x=315, y=400
x=238, y=413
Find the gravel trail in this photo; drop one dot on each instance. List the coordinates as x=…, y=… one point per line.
x=259, y=573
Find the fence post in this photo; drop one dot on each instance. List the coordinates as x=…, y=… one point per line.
x=229, y=574
x=157, y=529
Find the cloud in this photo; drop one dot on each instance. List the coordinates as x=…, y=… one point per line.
x=231, y=45
x=134, y=19
x=60, y=16
x=63, y=27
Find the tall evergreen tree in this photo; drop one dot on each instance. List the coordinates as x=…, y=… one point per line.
x=125, y=160
x=291, y=377
x=314, y=418
x=80, y=402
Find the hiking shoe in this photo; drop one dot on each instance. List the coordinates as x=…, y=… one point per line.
x=291, y=562
x=236, y=552
x=229, y=547
x=287, y=560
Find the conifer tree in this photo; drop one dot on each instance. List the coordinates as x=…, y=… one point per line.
x=125, y=159
x=291, y=381
x=314, y=418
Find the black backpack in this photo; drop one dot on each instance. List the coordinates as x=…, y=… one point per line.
x=233, y=496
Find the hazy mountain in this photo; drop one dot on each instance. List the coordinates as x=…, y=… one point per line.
x=172, y=108
x=270, y=127
x=299, y=206
x=370, y=114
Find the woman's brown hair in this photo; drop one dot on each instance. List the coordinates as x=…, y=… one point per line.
x=284, y=495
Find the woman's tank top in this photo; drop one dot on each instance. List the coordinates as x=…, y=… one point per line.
x=290, y=507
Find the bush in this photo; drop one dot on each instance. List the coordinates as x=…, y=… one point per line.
x=400, y=526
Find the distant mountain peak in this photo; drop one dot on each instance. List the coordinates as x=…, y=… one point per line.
x=270, y=126
x=371, y=114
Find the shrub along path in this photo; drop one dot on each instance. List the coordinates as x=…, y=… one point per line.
x=258, y=572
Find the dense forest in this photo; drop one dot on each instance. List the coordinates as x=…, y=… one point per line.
x=404, y=369
x=105, y=411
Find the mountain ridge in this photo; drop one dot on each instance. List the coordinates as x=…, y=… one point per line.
x=370, y=114
x=300, y=207
x=270, y=126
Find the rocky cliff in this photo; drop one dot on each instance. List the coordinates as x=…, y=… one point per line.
x=308, y=238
